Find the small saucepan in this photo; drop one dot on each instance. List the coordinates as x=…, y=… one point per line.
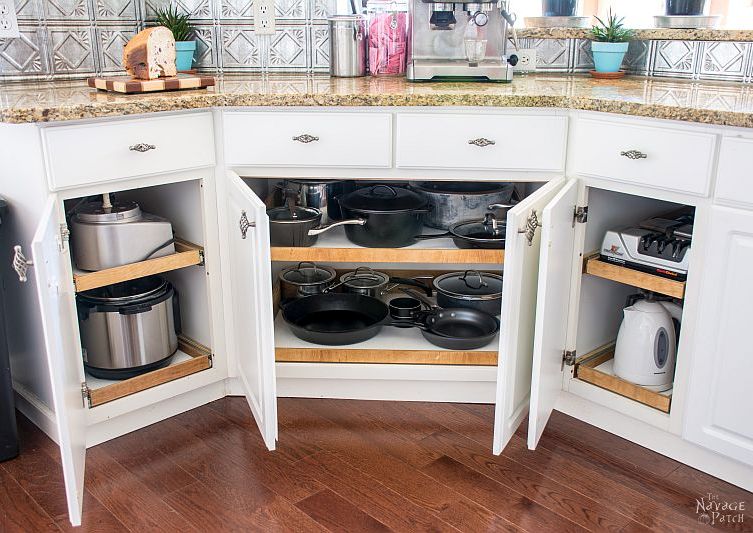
x=404, y=308
x=368, y=282
x=300, y=226
x=308, y=278
x=471, y=289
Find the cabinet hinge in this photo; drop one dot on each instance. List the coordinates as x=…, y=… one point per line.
x=85, y=394
x=65, y=234
x=568, y=357
x=580, y=215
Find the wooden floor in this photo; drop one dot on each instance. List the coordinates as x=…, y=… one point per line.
x=356, y=466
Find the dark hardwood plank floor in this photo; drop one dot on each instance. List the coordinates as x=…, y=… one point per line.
x=352, y=466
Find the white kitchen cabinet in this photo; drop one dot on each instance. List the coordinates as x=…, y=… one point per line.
x=719, y=412
x=733, y=185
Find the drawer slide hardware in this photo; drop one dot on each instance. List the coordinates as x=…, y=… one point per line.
x=244, y=224
x=530, y=228
x=580, y=215
x=633, y=154
x=86, y=394
x=305, y=138
x=482, y=141
x=21, y=264
x=568, y=357
x=142, y=147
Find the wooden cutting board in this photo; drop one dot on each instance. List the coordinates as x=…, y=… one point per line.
x=129, y=85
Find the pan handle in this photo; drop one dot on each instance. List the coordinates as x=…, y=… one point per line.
x=322, y=229
x=420, y=297
x=444, y=235
x=407, y=281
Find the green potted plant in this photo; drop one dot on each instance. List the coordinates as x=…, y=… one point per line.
x=176, y=22
x=609, y=44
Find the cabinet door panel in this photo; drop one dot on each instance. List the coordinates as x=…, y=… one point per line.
x=518, y=316
x=252, y=314
x=54, y=280
x=719, y=413
x=555, y=277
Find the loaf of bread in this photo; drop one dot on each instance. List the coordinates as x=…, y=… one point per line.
x=150, y=54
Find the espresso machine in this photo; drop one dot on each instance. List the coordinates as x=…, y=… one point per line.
x=454, y=40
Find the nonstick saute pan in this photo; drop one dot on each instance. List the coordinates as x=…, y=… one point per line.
x=455, y=328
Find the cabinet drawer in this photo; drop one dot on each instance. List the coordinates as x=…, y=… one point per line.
x=92, y=153
x=308, y=139
x=510, y=142
x=658, y=157
x=734, y=184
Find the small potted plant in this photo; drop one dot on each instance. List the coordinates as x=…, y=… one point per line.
x=176, y=22
x=610, y=43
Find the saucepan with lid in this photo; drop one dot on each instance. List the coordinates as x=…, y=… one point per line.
x=472, y=289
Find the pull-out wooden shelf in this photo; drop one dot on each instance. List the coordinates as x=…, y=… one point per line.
x=186, y=254
x=334, y=247
x=191, y=357
x=391, y=346
x=669, y=287
x=596, y=368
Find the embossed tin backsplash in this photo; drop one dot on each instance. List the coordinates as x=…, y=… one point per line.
x=79, y=38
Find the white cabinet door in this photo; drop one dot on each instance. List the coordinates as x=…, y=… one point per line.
x=518, y=315
x=719, y=412
x=555, y=277
x=54, y=279
x=252, y=314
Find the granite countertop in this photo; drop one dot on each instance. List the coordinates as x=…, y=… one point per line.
x=659, y=34
x=721, y=103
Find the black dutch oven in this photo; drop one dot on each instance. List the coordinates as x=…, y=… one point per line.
x=394, y=216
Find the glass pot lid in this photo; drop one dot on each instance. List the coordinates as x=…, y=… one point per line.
x=470, y=283
x=307, y=273
x=95, y=212
x=364, y=278
x=293, y=214
x=383, y=199
x=480, y=231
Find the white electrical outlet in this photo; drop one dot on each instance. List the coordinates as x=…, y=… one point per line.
x=8, y=21
x=526, y=60
x=264, y=17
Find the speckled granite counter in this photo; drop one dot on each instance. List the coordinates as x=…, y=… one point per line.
x=669, y=34
x=704, y=102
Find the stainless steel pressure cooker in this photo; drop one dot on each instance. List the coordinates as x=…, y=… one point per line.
x=128, y=328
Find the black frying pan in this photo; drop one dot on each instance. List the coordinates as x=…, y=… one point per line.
x=455, y=328
x=335, y=319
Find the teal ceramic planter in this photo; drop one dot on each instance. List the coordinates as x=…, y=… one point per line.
x=184, y=52
x=608, y=56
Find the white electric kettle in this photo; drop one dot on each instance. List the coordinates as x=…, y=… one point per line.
x=646, y=345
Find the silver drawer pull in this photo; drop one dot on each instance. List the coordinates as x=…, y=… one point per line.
x=634, y=154
x=305, y=138
x=21, y=264
x=530, y=228
x=482, y=141
x=244, y=224
x=142, y=147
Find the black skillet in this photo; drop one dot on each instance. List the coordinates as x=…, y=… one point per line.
x=455, y=328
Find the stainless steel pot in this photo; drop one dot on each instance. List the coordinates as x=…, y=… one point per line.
x=128, y=328
x=347, y=46
x=308, y=278
x=321, y=195
x=473, y=289
x=106, y=236
x=454, y=202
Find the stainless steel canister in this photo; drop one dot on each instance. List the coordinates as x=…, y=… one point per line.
x=347, y=46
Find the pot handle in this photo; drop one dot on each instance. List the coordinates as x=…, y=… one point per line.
x=380, y=186
x=136, y=309
x=420, y=297
x=444, y=235
x=492, y=207
x=481, y=281
x=322, y=229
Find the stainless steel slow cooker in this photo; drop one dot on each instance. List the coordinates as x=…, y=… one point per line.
x=128, y=328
